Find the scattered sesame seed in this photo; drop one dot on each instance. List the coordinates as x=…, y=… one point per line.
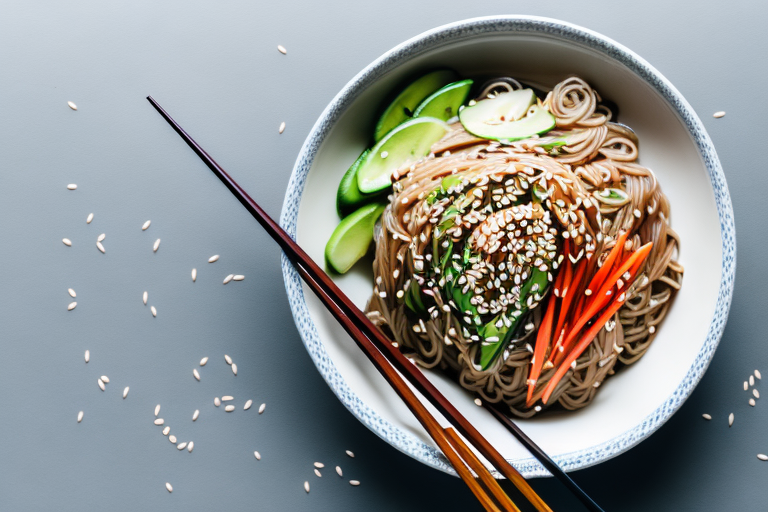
x=718, y=114
x=350, y=454
x=762, y=456
x=191, y=446
x=101, y=237
x=282, y=50
x=752, y=402
x=262, y=407
x=227, y=359
x=144, y=298
x=751, y=380
x=159, y=421
x=478, y=402
x=166, y=430
x=194, y=275
x=204, y=361
x=105, y=379
x=384, y=154
x=195, y=415
x=746, y=385
x=72, y=105
x=87, y=355
x=216, y=401
x=317, y=472
x=228, y=278
x=281, y=129
x=196, y=374
x=756, y=393
x=80, y=416
x=72, y=293
x=227, y=398
x=247, y=405
x=706, y=417
x=257, y=455
x=757, y=375
x=319, y=465
x=157, y=410
x=169, y=487
x=181, y=446
x=89, y=219
x=354, y=483
x=67, y=242
x=72, y=305
x=172, y=439
x=213, y=258
x=100, y=247
x=234, y=368
x=156, y=246
x=306, y=487
x=145, y=226
x=125, y=391
x=101, y=384
x=730, y=420
x=238, y=277
x=153, y=310
x=338, y=471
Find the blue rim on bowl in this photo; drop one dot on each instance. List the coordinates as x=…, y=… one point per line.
x=405, y=441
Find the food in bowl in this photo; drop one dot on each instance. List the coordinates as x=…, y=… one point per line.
x=519, y=245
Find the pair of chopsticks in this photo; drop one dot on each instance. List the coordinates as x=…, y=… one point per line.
x=393, y=365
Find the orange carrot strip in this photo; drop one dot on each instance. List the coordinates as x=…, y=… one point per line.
x=568, y=301
x=542, y=341
x=582, y=345
x=599, y=278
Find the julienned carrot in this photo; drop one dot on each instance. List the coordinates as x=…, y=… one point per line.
x=568, y=301
x=601, y=298
x=599, y=278
x=542, y=342
x=583, y=344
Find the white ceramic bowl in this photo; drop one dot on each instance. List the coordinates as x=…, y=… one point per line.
x=630, y=405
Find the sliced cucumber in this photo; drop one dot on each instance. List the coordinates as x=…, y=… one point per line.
x=402, y=107
x=408, y=142
x=348, y=197
x=500, y=118
x=444, y=103
x=352, y=237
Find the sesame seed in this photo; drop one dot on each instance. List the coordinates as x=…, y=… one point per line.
x=181, y=446
x=227, y=359
x=101, y=384
x=89, y=218
x=306, y=487
x=67, y=242
x=257, y=455
x=227, y=398
x=228, y=278
x=203, y=361
x=234, y=368
x=478, y=402
x=238, y=277
x=730, y=420
x=145, y=226
x=751, y=380
x=101, y=237
x=319, y=465
x=216, y=402
x=746, y=385
x=350, y=454
x=282, y=50
x=153, y=310
x=757, y=375
x=80, y=416
x=756, y=393
x=156, y=246
x=71, y=306
x=72, y=105
x=706, y=417
x=652, y=329
x=317, y=472
x=159, y=421
x=247, y=405
x=169, y=487
x=144, y=298
x=384, y=154
x=195, y=415
x=172, y=439
x=166, y=430
x=354, y=483
x=762, y=456
x=718, y=114
x=282, y=127
x=190, y=446
x=196, y=374
x=100, y=247
x=157, y=410
x=125, y=391
x=262, y=407
x=338, y=471
x=87, y=355
x=752, y=402
x=213, y=258
x=194, y=275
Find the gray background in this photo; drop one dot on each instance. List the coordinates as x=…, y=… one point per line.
x=214, y=65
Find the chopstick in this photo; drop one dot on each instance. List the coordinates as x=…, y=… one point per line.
x=299, y=258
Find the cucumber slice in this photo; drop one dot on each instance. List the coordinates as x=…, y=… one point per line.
x=444, y=103
x=402, y=107
x=348, y=197
x=502, y=120
x=352, y=237
x=408, y=142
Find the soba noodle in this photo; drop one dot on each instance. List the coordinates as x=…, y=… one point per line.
x=595, y=190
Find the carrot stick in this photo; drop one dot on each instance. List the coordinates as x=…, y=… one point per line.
x=603, y=296
x=582, y=345
x=599, y=277
x=542, y=342
x=568, y=301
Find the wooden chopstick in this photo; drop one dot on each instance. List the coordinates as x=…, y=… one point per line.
x=414, y=376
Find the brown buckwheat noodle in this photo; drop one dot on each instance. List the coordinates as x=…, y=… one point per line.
x=594, y=188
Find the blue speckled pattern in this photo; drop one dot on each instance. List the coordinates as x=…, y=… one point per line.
x=452, y=33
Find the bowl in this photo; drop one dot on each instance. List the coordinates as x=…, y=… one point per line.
x=636, y=401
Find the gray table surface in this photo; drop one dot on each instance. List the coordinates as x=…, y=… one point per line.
x=215, y=66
